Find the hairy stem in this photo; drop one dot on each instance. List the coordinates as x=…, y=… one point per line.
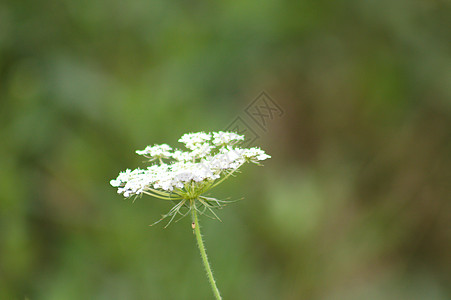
x=203, y=252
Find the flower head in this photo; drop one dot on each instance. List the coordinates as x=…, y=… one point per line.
x=156, y=151
x=184, y=176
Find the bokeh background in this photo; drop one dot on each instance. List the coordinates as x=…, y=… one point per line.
x=354, y=204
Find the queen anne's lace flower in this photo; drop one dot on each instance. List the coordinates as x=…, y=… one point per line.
x=193, y=140
x=156, y=151
x=186, y=175
x=226, y=138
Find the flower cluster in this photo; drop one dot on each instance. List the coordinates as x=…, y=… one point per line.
x=185, y=175
x=211, y=155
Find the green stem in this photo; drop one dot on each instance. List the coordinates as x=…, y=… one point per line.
x=203, y=253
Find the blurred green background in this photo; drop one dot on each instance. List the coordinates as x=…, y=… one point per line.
x=354, y=204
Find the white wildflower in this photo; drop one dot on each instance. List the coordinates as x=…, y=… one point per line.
x=182, y=156
x=156, y=151
x=211, y=158
x=255, y=154
x=192, y=140
x=226, y=138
